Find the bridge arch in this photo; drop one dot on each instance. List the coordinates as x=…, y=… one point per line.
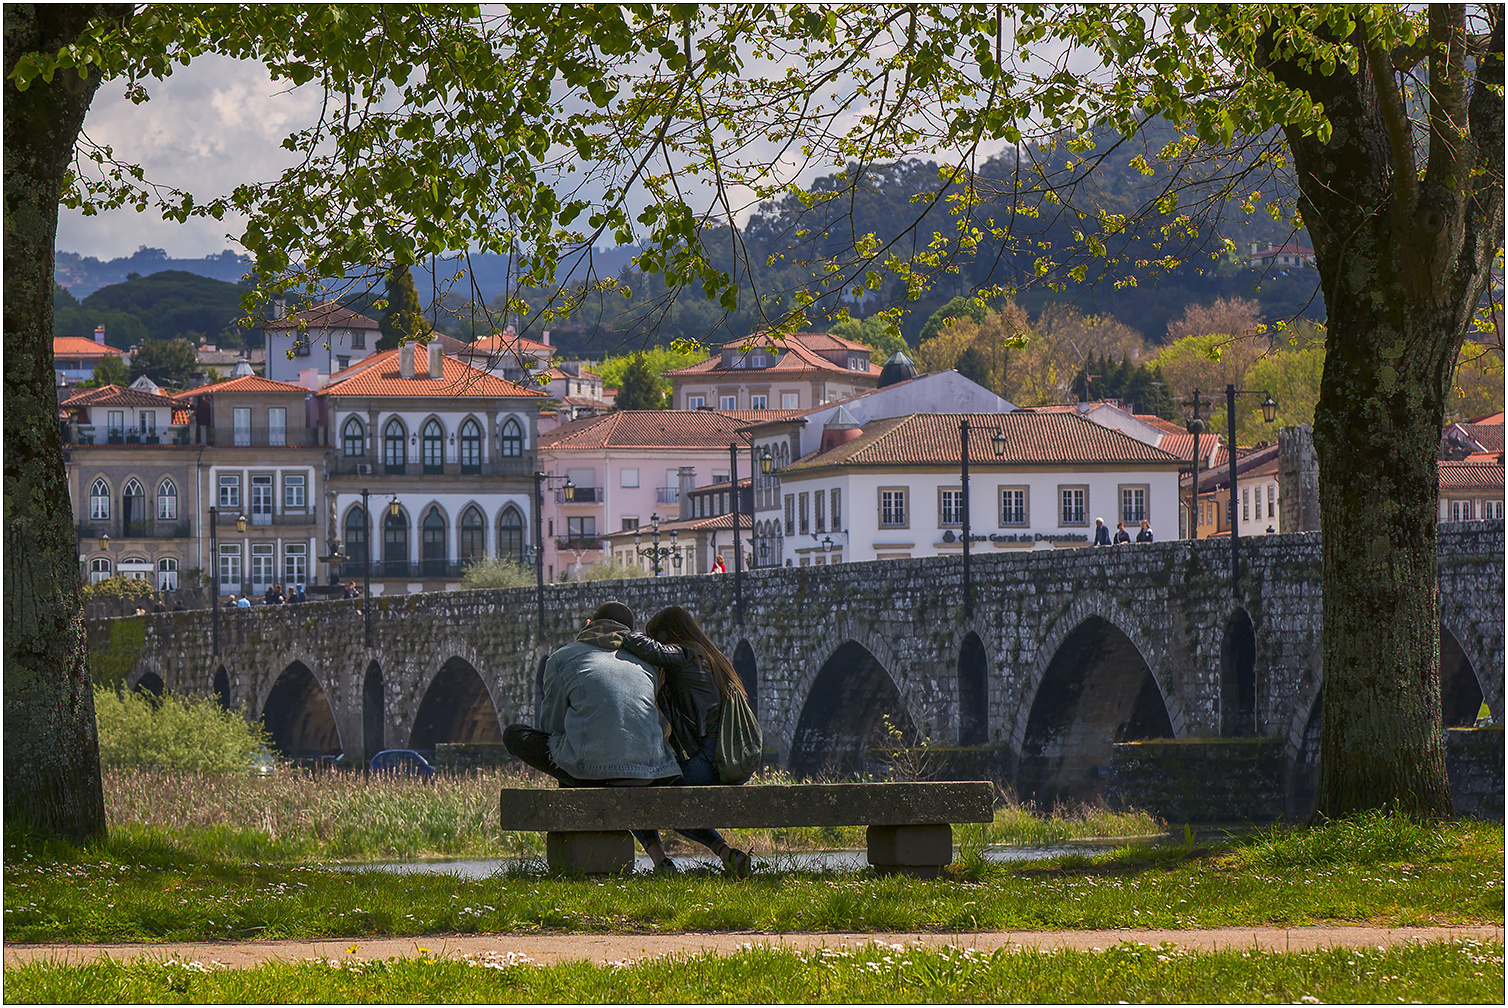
x=373, y=712
x=1460, y=688
x=298, y=716
x=1464, y=655
x=1238, y=676
x=973, y=692
x=844, y=713
x=1091, y=689
x=456, y=708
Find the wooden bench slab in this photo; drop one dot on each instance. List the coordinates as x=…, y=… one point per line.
x=909, y=823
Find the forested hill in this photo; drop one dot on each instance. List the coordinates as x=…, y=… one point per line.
x=166, y=305
x=83, y=275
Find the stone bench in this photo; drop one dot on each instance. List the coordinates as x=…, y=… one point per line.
x=909, y=825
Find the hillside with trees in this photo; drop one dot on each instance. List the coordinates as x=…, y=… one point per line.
x=171, y=304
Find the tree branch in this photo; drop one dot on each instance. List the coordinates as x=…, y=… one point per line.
x=1447, y=94
x=1405, y=181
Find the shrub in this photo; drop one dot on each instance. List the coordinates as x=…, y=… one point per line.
x=119, y=586
x=174, y=732
x=496, y=572
x=611, y=570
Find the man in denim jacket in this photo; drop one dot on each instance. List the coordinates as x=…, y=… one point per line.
x=600, y=726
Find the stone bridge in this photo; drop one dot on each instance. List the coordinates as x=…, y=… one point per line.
x=1067, y=652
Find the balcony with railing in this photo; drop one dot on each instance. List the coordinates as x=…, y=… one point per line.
x=424, y=570
x=369, y=465
x=225, y=516
x=100, y=434
x=579, y=544
x=581, y=495
x=667, y=495
x=136, y=528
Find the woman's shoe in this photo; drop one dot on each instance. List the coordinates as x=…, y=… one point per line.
x=667, y=867
x=736, y=863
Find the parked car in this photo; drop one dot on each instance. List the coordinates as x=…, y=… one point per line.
x=404, y=761
x=262, y=764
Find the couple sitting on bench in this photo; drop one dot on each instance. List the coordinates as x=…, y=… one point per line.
x=627, y=709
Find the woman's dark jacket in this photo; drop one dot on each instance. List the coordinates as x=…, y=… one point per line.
x=689, y=698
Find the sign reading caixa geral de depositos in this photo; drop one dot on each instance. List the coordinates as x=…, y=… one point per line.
x=1019, y=537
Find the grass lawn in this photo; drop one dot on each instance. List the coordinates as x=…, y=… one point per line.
x=1448, y=972
x=148, y=885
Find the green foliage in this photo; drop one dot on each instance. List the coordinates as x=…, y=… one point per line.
x=109, y=371
x=610, y=570
x=657, y=359
x=1292, y=375
x=118, y=586
x=164, y=306
x=403, y=319
x=959, y=307
x=640, y=388
x=169, y=363
x=496, y=572
x=1370, y=838
x=876, y=332
x=972, y=365
x=184, y=733
x=1141, y=389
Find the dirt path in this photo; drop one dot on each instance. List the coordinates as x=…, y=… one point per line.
x=545, y=949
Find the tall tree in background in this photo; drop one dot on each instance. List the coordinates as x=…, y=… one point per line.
x=167, y=362
x=972, y=365
x=403, y=319
x=641, y=388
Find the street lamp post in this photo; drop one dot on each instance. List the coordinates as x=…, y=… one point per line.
x=738, y=536
x=1269, y=414
x=366, y=564
x=657, y=553
x=998, y=442
x=214, y=570
x=1196, y=427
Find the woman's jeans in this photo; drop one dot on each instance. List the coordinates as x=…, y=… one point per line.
x=697, y=770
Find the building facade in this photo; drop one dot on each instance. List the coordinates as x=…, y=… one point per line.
x=322, y=339
x=802, y=371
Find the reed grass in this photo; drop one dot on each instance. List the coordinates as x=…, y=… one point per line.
x=301, y=814
x=1459, y=972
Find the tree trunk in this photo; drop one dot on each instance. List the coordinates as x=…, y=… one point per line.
x=1403, y=262
x=52, y=781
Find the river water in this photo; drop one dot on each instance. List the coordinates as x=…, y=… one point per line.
x=830, y=860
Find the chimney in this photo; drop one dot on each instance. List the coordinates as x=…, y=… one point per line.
x=436, y=360
x=406, y=360
x=309, y=379
x=99, y=334
x=686, y=477
x=544, y=337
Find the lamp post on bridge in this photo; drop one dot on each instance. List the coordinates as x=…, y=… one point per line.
x=569, y=493
x=1195, y=427
x=998, y=441
x=214, y=581
x=765, y=461
x=655, y=552
x=1269, y=414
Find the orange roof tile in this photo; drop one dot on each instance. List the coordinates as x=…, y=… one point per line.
x=82, y=346
x=382, y=377
x=933, y=439
x=1470, y=475
x=1488, y=435
x=504, y=343
x=648, y=429
x=183, y=416
x=325, y=315
x=245, y=383
x=683, y=525
x=114, y=395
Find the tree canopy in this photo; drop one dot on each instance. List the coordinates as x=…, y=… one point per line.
x=542, y=131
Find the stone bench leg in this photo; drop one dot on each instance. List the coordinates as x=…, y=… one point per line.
x=590, y=853
x=922, y=851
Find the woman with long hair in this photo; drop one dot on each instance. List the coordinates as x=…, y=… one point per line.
x=697, y=676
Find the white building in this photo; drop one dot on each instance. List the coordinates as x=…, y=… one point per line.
x=447, y=455
x=322, y=338
x=890, y=489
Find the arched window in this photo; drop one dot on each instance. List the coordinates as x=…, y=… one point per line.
x=133, y=509
x=135, y=568
x=167, y=574
x=510, y=535
x=395, y=544
x=432, y=543
x=167, y=500
x=473, y=536
x=434, y=448
x=99, y=569
x=99, y=501
x=513, y=439
x=394, y=451
x=353, y=438
x=356, y=540
x=471, y=447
